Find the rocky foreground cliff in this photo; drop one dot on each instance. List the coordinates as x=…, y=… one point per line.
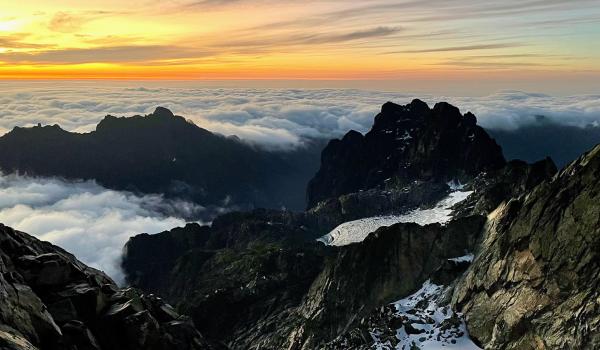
x=50, y=300
x=535, y=282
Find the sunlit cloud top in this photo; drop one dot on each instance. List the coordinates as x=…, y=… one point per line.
x=312, y=39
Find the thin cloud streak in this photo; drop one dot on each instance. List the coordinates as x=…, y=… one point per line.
x=462, y=48
x=110, y=54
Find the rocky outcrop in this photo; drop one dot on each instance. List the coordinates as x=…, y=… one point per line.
x=278, y=291
x=237, y=279
x=513, y=180
x=50, y=300
x=534, y=283
x=329, y=213
x=390, y=264
x=406, y=143
x=153, y=261
x=165, y=153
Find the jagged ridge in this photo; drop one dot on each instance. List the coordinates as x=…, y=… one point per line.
x=406, y=143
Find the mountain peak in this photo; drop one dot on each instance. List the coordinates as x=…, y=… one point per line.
x=418, y=106
x=406, y=143
x=163, y=112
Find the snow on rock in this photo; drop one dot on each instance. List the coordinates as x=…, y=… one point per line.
x=425, y=324
x=455, y=185
x=465, y=258
x=357, y=230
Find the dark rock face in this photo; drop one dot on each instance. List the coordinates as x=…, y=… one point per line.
x=329, y=213
x=390, y=264
x=513, y=180
x=534, y=283
x=406, y=143
x=275, y=287
x=238, y=279
x=153, y=261
x=164, y=153
x=49, y=300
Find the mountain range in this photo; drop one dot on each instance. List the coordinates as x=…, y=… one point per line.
x=167, y=154
x=476, y=252
x=164, y=153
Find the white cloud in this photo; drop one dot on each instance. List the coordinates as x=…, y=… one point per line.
x=84, y=218
x=276, y=118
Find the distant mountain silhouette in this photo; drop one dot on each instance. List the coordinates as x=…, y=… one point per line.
x=564, y=143
x=164, y=153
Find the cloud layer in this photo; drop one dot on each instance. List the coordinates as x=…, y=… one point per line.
x=94, y=223
x=84, y=218
x=275, y=118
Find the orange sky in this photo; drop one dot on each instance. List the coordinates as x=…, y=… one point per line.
x=312, y=39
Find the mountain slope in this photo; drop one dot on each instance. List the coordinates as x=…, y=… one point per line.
x=163, y=153
x=535, y=282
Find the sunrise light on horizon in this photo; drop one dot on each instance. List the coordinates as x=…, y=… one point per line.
x=316, y=40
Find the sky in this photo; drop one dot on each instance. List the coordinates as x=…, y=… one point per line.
x=534, y=45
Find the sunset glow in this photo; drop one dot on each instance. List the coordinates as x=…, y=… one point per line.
x=329, y=39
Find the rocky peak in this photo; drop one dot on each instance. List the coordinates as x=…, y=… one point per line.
x=38, y=130
x=161, y=116
x=162, y=112
x=406, y=143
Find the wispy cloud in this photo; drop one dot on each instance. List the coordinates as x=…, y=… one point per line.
x=296, y=39
x=210, y=3
x=463, y=48
x=18, y=41
x=69, y=22
x=111, y=54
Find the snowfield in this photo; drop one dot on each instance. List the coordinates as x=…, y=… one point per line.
x=432, y=326
x=357, y=230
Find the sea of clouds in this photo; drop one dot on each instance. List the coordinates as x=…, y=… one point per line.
x=84, y=218
x=94, y=223
x=274, y=118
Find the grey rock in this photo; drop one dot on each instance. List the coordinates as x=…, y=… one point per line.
x=534, y=283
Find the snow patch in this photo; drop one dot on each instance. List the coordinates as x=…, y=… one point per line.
x=357, y=230
x=455, y=185
x=465, y=258
x=426, y=324
x=407, y=136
